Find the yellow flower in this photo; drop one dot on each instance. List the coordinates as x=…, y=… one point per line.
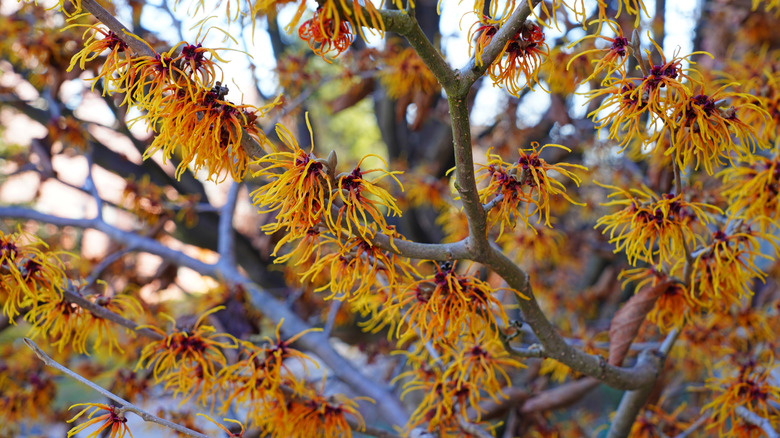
x=703, y=131
x=186, y=359
x=360, y=198
x=753, y=189
x=652, y=228
x=113, y=418
x=227, y=431
x=615, y=54
x=28, y=275
x=723, y=271
x=481, y=362
x=300, y=192
x=257, y=378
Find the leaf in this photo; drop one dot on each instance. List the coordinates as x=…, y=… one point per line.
x=355, y=94
x=627, y=321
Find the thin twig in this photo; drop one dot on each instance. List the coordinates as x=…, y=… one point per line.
x=335, y=305
x=105, y=263
x=92, y=188
x=124, y=404
x=693, y=427
x=756, y=420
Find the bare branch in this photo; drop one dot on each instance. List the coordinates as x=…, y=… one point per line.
x=225, y=235
x=124, y=404
x=693, y=427
x=757, y=420
x=633, y=401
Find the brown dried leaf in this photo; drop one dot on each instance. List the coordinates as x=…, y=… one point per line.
x=627, y=321
x=355, y=94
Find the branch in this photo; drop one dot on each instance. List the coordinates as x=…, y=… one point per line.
x=423, y=251
x=556, y=347
x=101, y=312
x=465, y=181
x=226, y=243
x=471, y=72
x=757, y=420
x=633, y=401
x=693, y=427
x=124, y=404
x=436, y=63
x=560, y=396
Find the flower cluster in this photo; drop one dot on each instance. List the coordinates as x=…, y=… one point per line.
x=187, y=360
x=722, y=271
x=309, y=195
x=181, y=98
x=444, y=307
x=701, y=131
x=527, y=181
x=29, y=273
x=750, y=386
x=651, y=228
x=455, y=381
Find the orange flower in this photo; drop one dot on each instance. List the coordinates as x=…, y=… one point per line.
x=186, y=359
x=256, y=380
x=113, y=70
x=300, y=193
x=482, y=31
x=113, y=418
x=314, y=414
x=526, y=52
x=405, y=75
x=443, y=307
x=325, y=33
x=751, y=388
x=208, y=129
